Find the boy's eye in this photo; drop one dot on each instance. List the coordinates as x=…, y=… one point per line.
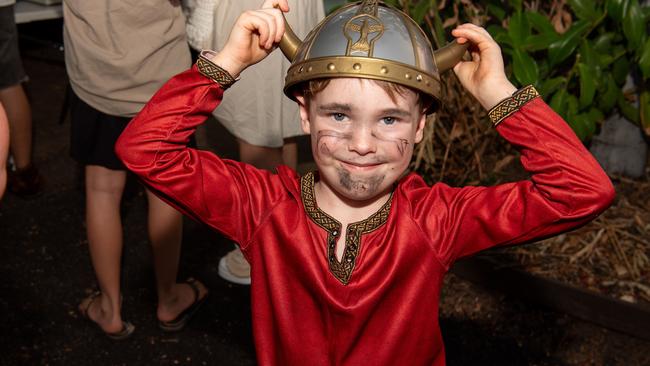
x=389, y=120
x=338, y=116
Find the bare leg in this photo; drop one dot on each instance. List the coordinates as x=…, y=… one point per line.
x=20, y=124
x=104, y=189
x=259, y=156
x=165, y=235
x=290, y=153
x=269, y=157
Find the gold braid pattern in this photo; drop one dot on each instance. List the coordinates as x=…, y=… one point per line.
x=341, y=270
x=215, y=73
x=512, y=104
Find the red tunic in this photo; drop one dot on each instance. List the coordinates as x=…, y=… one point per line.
x=379, y=306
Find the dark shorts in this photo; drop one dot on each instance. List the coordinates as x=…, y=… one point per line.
x=11, y=67
x=93, y=135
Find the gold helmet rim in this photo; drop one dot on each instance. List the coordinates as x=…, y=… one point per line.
x=364, y=68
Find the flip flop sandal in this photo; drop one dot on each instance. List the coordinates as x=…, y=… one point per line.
x=127, y=327
x=183, y=318
x=127, y=330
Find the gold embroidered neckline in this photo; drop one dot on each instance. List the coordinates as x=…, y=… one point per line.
x=341, y=270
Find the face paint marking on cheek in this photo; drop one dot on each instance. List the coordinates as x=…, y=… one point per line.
x=325, y=138
x=401, y=143
x=324, y=149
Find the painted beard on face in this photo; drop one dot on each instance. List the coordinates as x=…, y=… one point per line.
x=368, y=185
x=358, y=173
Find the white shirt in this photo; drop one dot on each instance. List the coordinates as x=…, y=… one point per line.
x=118, y=53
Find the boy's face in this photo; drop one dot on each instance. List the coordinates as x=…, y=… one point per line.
x=362, y=140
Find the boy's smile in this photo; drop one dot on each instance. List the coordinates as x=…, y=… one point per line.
x=362, y=139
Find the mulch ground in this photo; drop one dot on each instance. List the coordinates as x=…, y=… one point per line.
x=46, y=271
x=608, y=256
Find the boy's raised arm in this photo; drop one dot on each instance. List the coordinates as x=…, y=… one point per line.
x=567, y=187
x=253, y=37
x=484, y=75
x=227, y=195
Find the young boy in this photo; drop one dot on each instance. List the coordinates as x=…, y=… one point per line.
x=347, y=262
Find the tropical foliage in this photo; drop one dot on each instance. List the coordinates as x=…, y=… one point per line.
x=578, y=53
x=588, y=59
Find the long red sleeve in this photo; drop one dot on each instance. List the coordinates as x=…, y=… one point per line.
x=222, y=193
x=567, y=188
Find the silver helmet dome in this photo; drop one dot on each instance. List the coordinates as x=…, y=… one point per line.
x=370, y=40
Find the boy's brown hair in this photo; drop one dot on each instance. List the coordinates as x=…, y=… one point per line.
x=312, y=87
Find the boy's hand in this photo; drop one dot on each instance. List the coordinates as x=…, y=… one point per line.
x=484, y=76
x=253, y=37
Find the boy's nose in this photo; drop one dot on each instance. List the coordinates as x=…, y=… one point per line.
x=363, y=141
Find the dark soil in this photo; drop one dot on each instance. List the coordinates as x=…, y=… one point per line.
x=46, y=271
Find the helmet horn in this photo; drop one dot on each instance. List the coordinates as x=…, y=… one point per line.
x=448, y=56
x=290, y=42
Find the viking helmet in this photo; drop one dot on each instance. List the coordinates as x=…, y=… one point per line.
x=369, y=40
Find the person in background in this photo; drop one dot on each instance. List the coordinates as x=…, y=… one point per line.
x=264, y=121
x=24, y=178
x=118, y=53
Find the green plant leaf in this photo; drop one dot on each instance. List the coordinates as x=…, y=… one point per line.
x=572, y=105
x=544, y=70
x=499, y=34
x=607, y=58
x=540, y=23
x=603, y=42
x=620, y=70
x=516, y=4
x=524, y=67
x=644, y=59
x=503, y=39
x=588, y=55
x=634, y=25
x=561, y=49
x=518, y=29
x=585, y=9
x=587, y=84
x=497, y=11
x=549, y=86
x=646, y=12
x=617, y=9
x=596, y=115
x=559, y=102
x=538, y=42
x=439, y=33
x=420, y=10
x=607, y=99
x=627, y=110
x=546, y=34
x=582, y=125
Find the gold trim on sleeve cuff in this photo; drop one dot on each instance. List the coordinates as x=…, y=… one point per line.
x=512, y=104
x=214, y=72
